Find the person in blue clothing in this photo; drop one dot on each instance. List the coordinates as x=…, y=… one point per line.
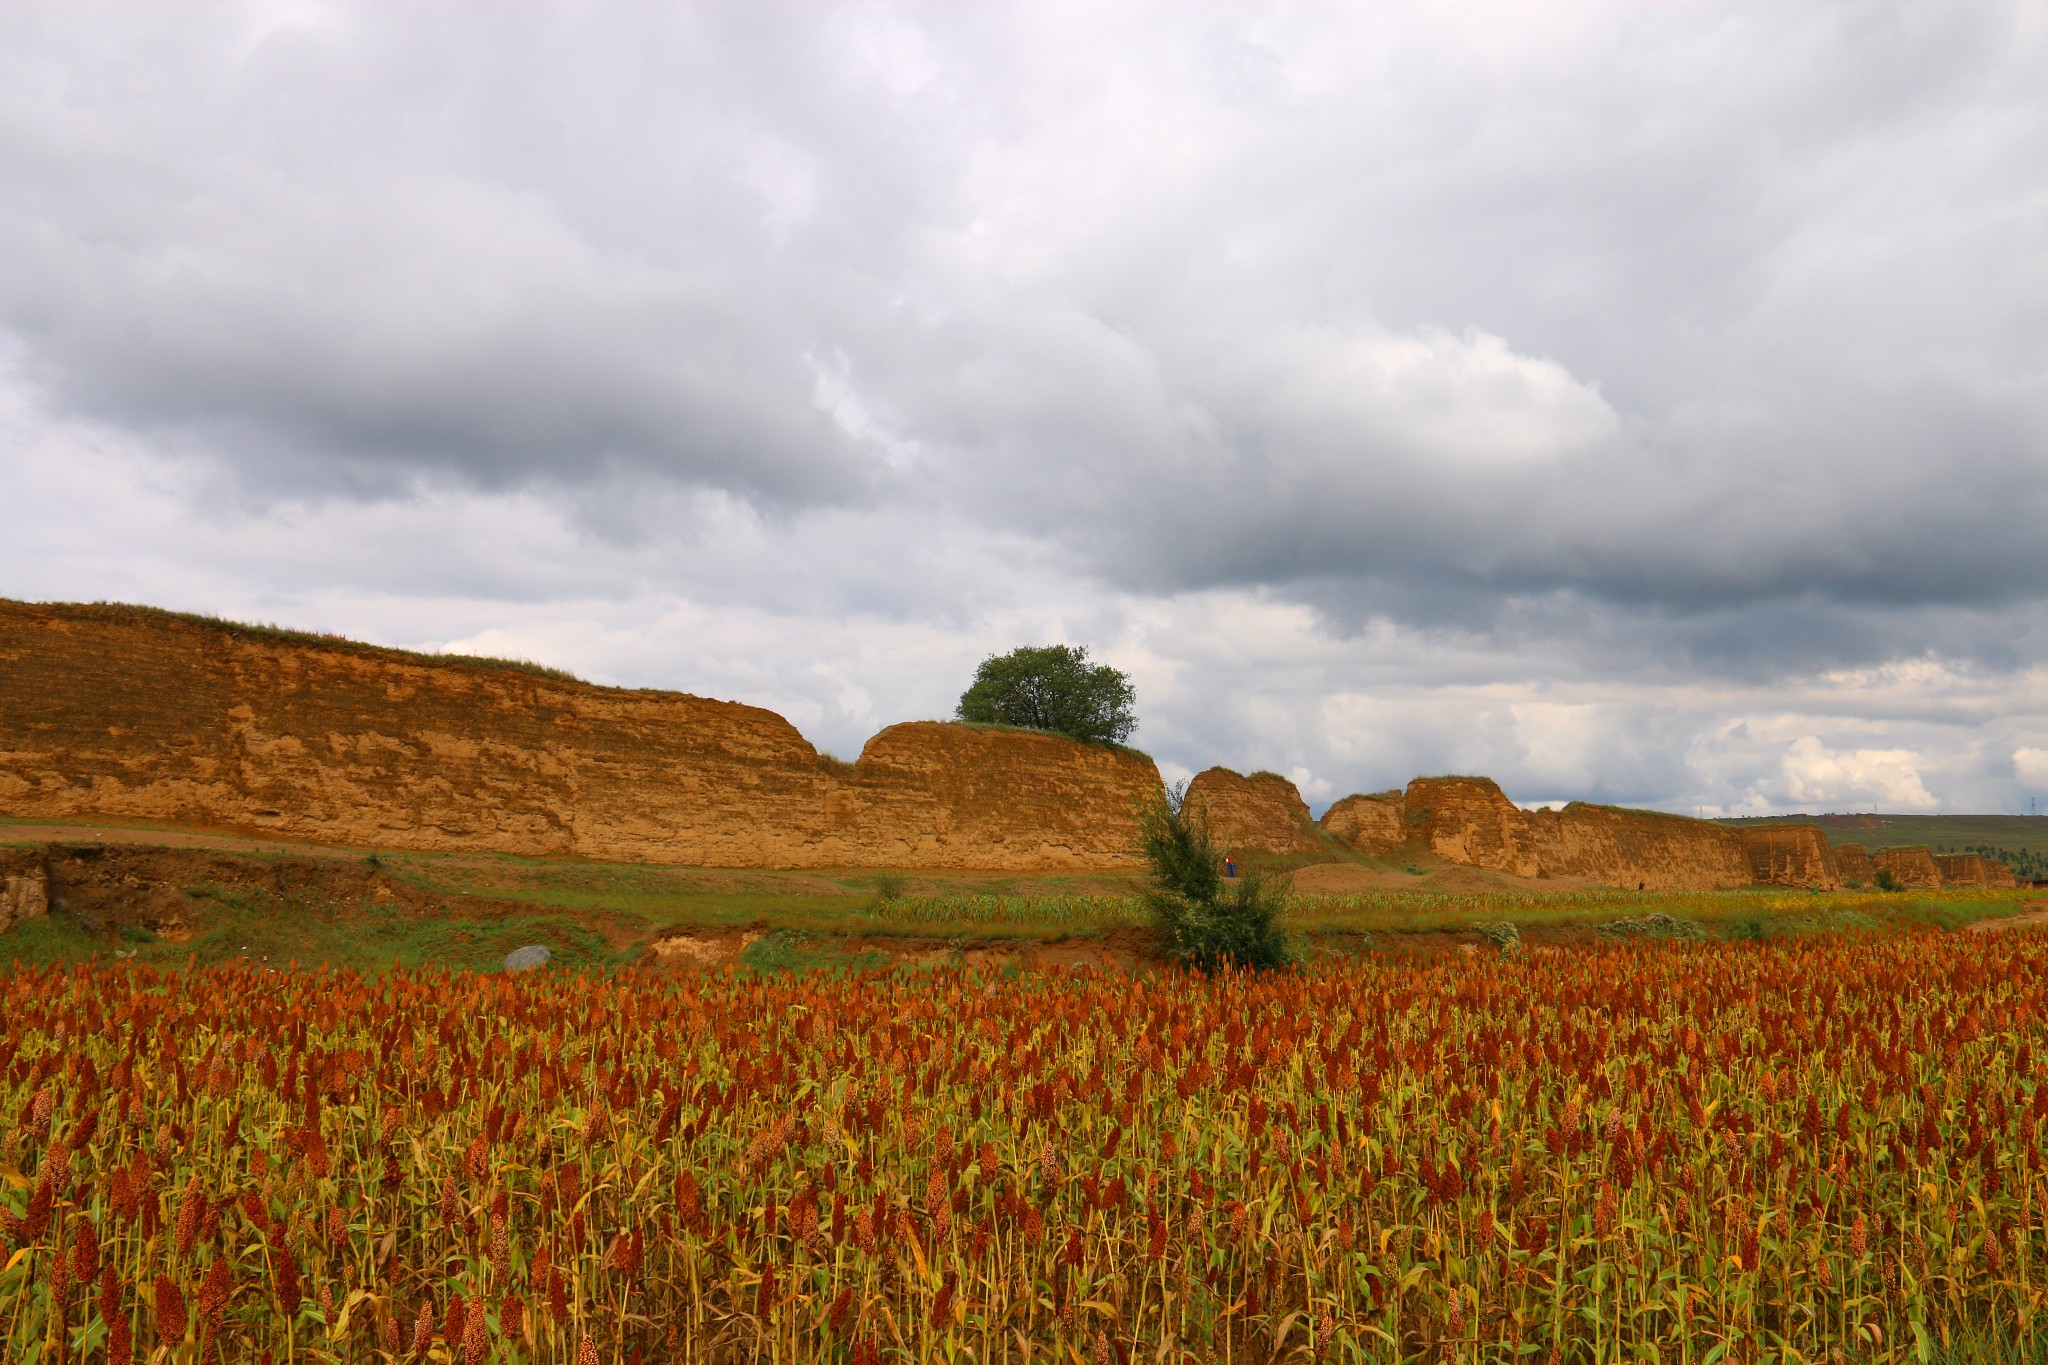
x=1229, y=866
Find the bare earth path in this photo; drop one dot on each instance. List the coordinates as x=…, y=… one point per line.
x=2035, y=919
x=36, y=832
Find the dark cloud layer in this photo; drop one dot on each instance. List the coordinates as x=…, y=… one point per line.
x=1591, y=344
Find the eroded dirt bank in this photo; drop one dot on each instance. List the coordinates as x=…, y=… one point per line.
x=130, y=713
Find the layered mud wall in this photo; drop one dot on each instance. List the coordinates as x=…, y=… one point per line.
x=1790, y=855
x=1262, y=812
x=1970, y=869
x=1375, y=824
x=126, y=713
x=1913, y=867
x=118, y=712
x=1647, y=849
x=1853, y=865
x=1469, y=820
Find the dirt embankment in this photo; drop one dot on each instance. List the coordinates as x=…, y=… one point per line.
x=702, y=949
x=115, y=712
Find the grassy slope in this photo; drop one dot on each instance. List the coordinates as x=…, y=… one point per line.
x=474, y=909
x=231, y=923
x=600, y=931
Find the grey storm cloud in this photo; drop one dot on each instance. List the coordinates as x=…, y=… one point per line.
x=1680, y=338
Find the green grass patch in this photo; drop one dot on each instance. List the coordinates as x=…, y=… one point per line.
x=858, y=903
x=260, y=926
x=51, y=940
x=1859, y=913
x=783, y=951
x=597, y=915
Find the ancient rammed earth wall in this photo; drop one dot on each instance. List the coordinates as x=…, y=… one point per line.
x=1970, y=869
x=1913, y=868
x=1376, y=822
x=1853, y=865
x=1790, y=855
x=115, y=712
x=1468, y=820
x=126, y=713
x=1264, y=811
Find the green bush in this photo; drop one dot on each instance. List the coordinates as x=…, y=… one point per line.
x=1503, y=935
x=1213, y=923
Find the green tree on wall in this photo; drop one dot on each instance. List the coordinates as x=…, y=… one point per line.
x=1052, y=687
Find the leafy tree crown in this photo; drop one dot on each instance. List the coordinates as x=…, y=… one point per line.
x=1052, y=687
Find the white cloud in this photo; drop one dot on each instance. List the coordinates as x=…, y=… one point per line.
x=1890, y=778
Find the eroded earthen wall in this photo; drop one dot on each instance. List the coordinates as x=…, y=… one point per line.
x=1912, y=867
x=1973, y=870
x=1371, y=824
x=1790, y=855
x=1853, y=865
x=110, y=712
x=1263, y=812
x=1469, y=820
x=1637, y=848
x=119, y=713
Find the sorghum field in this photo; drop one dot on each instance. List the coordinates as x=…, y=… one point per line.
x=1824, y=1148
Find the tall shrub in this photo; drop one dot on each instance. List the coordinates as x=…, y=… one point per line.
x=1212, y=922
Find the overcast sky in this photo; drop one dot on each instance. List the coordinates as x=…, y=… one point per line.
x=1645, y=403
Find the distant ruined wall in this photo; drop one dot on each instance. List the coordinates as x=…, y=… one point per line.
x=1790, y=855
x=110, y=712
x=1371, y=824
x=1263, y=812
x=1853, y=866
x=1469, y=820
x=24, y=887
x=1647, y=849
x=1973, y=870
x=1912, y=867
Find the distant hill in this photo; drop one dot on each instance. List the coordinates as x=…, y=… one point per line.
x=2018, y=841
